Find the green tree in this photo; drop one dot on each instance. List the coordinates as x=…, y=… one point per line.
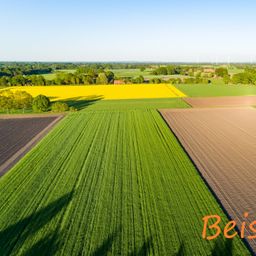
x=102, y=79
x=138, y=80
x=111, y=77
x=22, y=100
x=221, y=72
x=4, y=81
x=6, y=103
x=155, y=81
x=41, y=103
x=59, y=107
x=160, y=71
x=226, y=79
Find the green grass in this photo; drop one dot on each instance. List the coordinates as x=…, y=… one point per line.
x=208, y=90
x=234, y=70
x=53, y=75
x=146, y=74
x=133, y=104
x=108, y=180
x=50, y=76
x=16, y=111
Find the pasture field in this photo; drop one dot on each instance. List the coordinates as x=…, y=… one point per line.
x=122, y=73
x=221, y=143
x=110, y=181
x=235, y=70
x=52, y=76
x=209, y=90
x=138, y=91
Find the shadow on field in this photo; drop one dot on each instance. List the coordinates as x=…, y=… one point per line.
x=48, y=245
x=145, y=249
x=181, y=250
x=14, y=236
x=106, y=246
x=222, y=248
x=82, y=102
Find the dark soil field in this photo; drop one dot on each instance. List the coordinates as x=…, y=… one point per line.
x=233, y=101
x=222, y=144
x=18, y=134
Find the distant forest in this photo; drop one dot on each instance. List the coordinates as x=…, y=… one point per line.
x=32, y=74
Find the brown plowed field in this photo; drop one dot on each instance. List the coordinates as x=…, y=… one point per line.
x=222, y=144
x=234, y=101
x=18, y=135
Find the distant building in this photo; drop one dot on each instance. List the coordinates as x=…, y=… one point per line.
x=119, y=82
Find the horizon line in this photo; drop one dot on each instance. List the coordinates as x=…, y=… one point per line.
x=131, y=62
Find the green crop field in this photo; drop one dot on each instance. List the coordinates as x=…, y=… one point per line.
x=207, y=90
x=108, y=180
x=93, y=103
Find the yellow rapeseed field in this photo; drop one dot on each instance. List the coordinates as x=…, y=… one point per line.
x=107, y=92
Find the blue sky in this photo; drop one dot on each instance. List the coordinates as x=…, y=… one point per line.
x=116, y=30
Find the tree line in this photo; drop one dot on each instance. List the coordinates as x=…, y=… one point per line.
x=93, y=77
x=29, y=74
x=20, y=100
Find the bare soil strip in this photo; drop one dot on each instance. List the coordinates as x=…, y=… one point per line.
x=19, y=134
x=232, y=101
x=222, y=144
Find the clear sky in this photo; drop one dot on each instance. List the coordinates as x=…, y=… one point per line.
x=128, y=30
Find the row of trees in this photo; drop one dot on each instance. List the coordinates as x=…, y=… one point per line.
x=90, y=77
x=169, y=70
x=23, y=74
x=21, y=80
x=10, y=100
x=189, y=80
x=11, y=69
x=247, y=77
x=61, y=79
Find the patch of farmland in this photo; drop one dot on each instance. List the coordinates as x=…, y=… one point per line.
x=236, y=101
x=213, y=90
x=106, y=92
x=18, y=135
x=222, y=144
x=107, y=183
x=132, y=105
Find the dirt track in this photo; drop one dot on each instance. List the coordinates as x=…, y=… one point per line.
x=222, y=144
x=234, y=101
x=19, y=135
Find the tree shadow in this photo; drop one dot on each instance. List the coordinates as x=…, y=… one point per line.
x=82, y=102
x=223, y=247
x=12, y=238
x=106, y=246
x=181, y=250
x=48, y=245
x=145, y=249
